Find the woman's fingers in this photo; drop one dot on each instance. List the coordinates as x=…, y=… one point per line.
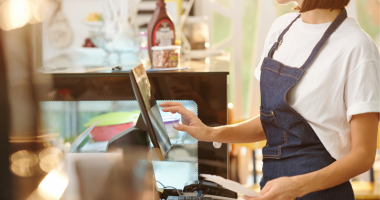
x=266, y=188
x=253, y=198
x=170, y=103
x=182, y=127
x=178, y=109
x=266, y=196
x=249, y=198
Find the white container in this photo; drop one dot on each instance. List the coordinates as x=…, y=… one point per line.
x=169, y=121
x=166, y=56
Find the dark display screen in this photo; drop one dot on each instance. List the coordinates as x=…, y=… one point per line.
x=152, y=109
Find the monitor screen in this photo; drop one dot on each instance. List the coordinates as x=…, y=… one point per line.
x=149, y=110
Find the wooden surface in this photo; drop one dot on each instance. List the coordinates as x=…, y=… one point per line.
x=215, y=65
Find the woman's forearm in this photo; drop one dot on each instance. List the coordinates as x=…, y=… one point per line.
x=359, y=160
x=244, y=132
x=337, y=173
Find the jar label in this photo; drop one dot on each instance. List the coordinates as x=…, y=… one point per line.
x=163, y=34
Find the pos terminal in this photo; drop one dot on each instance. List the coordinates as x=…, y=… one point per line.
x=150, y=123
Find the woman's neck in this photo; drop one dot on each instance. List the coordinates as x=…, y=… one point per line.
x=319, y=16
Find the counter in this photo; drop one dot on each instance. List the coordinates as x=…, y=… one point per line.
x=80, y=91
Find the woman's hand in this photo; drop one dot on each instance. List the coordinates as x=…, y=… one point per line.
x=190, y=122
x=283, y=188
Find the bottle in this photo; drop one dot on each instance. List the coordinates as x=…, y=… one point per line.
x=160, y=29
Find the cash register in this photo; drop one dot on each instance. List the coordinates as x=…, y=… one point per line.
x=150, y=124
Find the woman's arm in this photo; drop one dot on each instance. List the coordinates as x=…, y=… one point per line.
x=359, y=160
x=244, y=132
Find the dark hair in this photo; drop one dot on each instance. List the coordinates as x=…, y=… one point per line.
x=308, y=5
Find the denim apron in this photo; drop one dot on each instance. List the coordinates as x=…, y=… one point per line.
x=293, y=148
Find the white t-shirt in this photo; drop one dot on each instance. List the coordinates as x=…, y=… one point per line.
x=342, y=81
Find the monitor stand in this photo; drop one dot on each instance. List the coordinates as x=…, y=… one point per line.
x=135, y=136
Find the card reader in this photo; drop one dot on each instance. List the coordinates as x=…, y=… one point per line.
x=208, y=188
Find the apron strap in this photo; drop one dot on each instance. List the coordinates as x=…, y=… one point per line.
x=279, y=40
x=334, y=25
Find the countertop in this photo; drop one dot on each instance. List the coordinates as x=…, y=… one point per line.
x=74, y=65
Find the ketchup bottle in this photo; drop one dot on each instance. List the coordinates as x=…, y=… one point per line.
x=160, y=29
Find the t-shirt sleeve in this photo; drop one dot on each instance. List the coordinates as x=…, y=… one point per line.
x=362, y=89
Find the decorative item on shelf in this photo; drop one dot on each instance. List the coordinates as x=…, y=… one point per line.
x=94, y=17
x=187, y=50
x=160, y=29
x=88, y=43
x=94, y=21
x=110, y=124
x=59, y=31
x=118, y=32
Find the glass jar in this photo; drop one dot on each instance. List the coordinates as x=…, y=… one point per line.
x=166, y=56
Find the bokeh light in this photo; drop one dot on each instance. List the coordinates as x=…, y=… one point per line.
x=47, y=167
x=33, y=19
x=50, y=158
x=20, y=12
x=17, y=13
x=23, y=162
x=22, y=171
x=43, y=10
x=5, y=23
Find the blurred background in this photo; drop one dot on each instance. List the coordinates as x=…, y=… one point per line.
x=38, y=37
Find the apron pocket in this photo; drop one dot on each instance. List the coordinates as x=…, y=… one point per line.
x=276, y=136
x=272, y=152
x=268, y=117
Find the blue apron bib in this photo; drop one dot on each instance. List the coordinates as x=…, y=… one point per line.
x=293, y=148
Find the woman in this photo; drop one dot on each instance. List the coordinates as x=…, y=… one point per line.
x=319, y=110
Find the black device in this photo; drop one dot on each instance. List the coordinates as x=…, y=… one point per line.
x=198, y=190
x=150, y=120
x=209, y=188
